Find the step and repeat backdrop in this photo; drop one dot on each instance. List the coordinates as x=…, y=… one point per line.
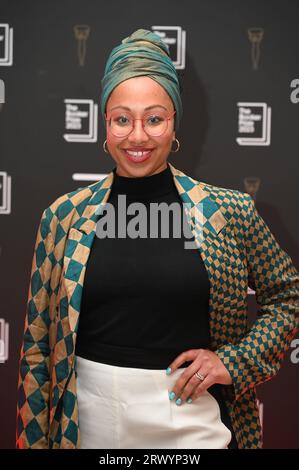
x=239, y=69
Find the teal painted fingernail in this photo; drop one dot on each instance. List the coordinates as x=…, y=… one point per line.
x=171, y=395
x=168, y=371
x=178, y=401
x=189, y=400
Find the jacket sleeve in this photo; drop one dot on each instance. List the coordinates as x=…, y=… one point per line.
x=272, y=275
x=33, y=379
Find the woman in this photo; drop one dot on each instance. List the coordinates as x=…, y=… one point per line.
x=142, y=341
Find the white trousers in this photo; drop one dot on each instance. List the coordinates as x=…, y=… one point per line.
x=129, y=408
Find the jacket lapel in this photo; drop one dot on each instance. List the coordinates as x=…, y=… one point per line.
x=78, y=248
x=205, y=220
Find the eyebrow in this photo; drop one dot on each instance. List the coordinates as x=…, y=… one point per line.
x=148, y=107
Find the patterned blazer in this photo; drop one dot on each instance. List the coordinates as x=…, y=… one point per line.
x=238, y=251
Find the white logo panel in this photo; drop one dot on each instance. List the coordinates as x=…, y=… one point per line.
x=6, y=45
x=175, y=38
x=254, y=124
x=5, y=193
x=4, y=335
x=81, y=120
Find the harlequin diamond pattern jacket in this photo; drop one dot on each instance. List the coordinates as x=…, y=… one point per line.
x=238, y=251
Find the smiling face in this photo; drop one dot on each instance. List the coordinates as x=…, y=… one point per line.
x=137, y=94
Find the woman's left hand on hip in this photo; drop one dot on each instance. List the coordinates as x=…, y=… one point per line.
x=207, y=364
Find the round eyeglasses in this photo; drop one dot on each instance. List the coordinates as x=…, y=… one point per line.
x=121, y=123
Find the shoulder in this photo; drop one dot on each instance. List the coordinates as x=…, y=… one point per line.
x=230, y=201
x=227, y=198
x=235, y=205
x=66, y=208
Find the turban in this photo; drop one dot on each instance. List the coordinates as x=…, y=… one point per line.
x=142, y=53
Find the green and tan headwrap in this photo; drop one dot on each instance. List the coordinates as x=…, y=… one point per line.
x=142, y=53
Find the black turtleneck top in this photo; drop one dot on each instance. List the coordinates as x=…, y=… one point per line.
x=145, y=300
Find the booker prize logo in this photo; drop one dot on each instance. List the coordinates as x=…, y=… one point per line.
x=175, y=38
x=254, y=124
x=5, y=193
x=81, y=120
x=4, y=335
x=6, y=45
x=2, y=93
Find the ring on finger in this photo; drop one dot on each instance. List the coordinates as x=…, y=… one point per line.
x=199, y=376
